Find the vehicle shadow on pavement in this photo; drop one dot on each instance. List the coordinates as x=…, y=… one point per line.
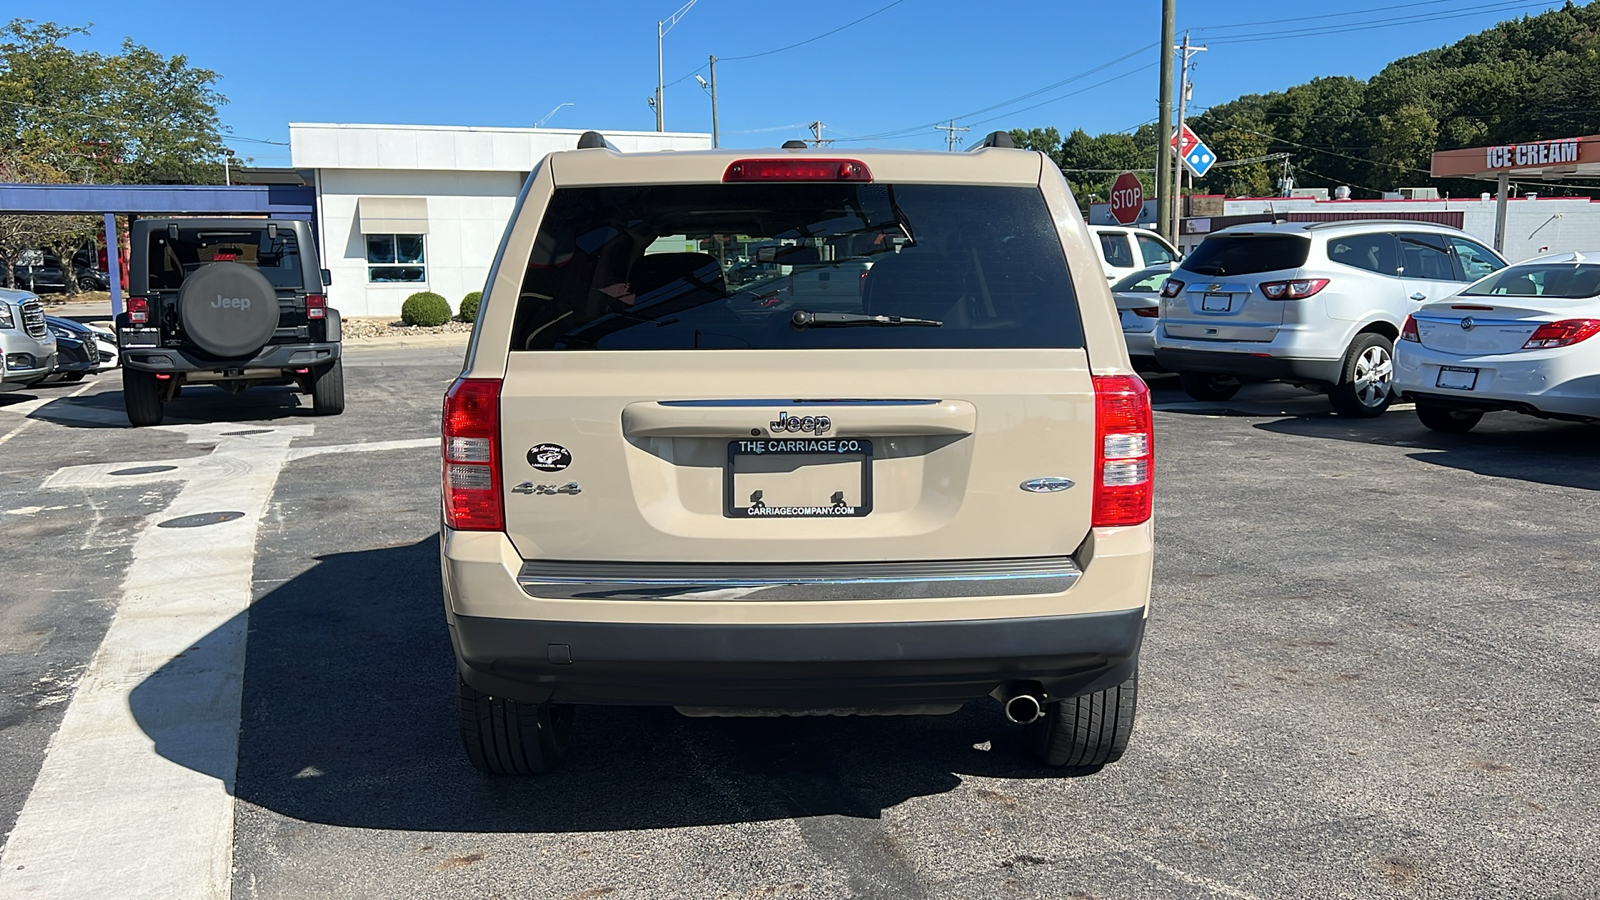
x=348, y=718
x=197, y=404
x=1504, y=445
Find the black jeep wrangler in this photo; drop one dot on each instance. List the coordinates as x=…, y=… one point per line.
x=228, y=302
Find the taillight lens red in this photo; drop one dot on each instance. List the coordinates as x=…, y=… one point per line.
x=1292, y=290
x=316, y=306
x=1125, y=449
x=1170, y=288
x=1147, y=312
x=1408, y=331
x=473, y=500
x=797, y=170
x=138, y=310
x=1562, y=334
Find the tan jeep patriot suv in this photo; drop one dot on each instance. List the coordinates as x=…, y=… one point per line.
x=664, y=489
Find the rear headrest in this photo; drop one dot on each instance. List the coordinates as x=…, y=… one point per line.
x=914, y=283
x=657, y=270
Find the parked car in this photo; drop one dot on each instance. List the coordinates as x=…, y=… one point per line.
x=76, y=353
x=1124, y=251
x=1138, y=298
x=99, y=346
x=1318, y=304
x=234, y=303
x=660, y=490
x=27, y=348
x=1518, y=340
x=43, y=273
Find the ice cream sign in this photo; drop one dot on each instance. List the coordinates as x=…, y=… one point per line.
x=1535, y=153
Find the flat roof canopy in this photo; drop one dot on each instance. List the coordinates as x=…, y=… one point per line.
x=1574, y=156
x=282, y=200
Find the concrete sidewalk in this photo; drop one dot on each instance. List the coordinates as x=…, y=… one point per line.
x=99, y=312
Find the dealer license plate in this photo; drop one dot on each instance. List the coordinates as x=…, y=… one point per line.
x=1457, y=378
x=798, y=478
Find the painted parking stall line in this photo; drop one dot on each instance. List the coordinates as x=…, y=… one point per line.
x=111, y=814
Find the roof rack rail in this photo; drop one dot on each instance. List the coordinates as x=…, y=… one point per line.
x=794, y=145
x=995, y=139
x=593, y=140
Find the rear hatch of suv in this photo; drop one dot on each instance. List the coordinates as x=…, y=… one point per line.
x=653, y=410
x=1217, y=296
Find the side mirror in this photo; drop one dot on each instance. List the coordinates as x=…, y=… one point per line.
x=327, y=277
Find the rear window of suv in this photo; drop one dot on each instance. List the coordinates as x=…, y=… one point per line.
x=171, y=260
x=728, y=266
x=1247, y=254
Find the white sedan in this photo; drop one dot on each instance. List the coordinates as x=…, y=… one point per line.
x=1138, y=299
x=1519, y=340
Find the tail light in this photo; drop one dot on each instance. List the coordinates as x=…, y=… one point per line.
x=1408, y=331
x=1562, y=334
x=316, y=306
x=138, y=310
x=797, y=170
x=1147, y=312
x=1170, y=288
x=1292, y=290
x=471, y=447
x=1125, y=444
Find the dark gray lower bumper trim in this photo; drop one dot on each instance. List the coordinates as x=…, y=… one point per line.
x=1243, y=365
x=272, y=356
x=798, y=582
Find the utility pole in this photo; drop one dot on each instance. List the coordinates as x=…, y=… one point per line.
x=1169, y=20
x=817, y=139
x=1188, y=52
x=715, y=141
x=951, y=130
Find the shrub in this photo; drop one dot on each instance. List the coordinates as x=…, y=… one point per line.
x=469, y=306
x=425, y=308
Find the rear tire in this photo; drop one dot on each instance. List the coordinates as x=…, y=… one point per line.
x=1366, y=383
x=1447, y=420
x=1085, y=732
x=327, y=390
x=141, y=397
x=1209, y=386
x=505, y=737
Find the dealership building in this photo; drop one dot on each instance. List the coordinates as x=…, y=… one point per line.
x=407, y=208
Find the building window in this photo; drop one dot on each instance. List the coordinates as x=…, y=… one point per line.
x=396, y=257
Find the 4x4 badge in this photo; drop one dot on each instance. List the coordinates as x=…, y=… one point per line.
x=549, y=457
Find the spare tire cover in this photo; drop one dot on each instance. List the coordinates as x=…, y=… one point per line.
x=228, y=309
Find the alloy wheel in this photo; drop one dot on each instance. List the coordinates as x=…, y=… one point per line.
x=1374, y=376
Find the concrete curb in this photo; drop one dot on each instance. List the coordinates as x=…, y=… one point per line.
x=408, y=342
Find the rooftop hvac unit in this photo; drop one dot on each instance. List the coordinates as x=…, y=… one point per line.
x=1416, y=193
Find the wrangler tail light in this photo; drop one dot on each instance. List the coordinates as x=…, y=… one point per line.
x=1562, y=334
x=1125, y=451
x=471, y=446
x=1170, y=288
x=138, y=310
x=316, y=306
x=799, y=169
x=1292, y=290
x=1408, y=331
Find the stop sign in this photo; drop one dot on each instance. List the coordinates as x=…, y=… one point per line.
x=1127, y=198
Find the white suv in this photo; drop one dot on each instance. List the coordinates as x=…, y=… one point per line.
x=1318, y=304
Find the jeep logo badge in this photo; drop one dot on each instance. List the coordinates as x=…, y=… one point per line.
x=810, y=424
x=230, y=302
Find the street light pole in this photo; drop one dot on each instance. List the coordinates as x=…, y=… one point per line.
x=662, y=27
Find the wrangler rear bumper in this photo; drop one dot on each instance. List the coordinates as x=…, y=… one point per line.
x=795, y=666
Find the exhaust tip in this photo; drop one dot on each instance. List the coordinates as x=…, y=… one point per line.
x=1024, y=709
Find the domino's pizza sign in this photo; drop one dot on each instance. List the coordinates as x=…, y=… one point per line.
x=1196, y=155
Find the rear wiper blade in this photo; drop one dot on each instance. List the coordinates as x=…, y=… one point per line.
x=806, y=319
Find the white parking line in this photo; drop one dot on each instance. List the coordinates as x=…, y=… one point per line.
x=27, y=408
x=135, y=796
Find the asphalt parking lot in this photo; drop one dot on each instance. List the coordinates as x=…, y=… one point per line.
x=1372, y=670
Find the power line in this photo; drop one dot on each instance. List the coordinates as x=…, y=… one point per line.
x=125, y=122
x=1338, y=15
x=1321, y=31
x=878, y=11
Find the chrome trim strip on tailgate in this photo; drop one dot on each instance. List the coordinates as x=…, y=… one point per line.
x=796, y=581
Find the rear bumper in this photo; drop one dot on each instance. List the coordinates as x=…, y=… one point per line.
x=795, y=666
x=275, y=357
x=1245, y=365
x=1557, y=383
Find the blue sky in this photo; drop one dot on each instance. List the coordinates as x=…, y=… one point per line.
x=913, y=63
